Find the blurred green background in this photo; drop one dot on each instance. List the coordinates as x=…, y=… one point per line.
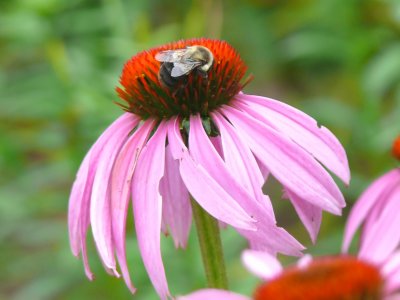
x=60, y=61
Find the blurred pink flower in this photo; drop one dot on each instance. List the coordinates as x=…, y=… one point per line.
x=330, y=278
x=378, y=211
x=219, y=148
x=373, y=274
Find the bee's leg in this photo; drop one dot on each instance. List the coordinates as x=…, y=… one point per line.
x=203, y=74
x=180, y=88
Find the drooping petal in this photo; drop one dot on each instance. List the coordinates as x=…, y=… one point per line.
x=267, y=236
x=175, y=142
x=124, y=167
x=289, y=163
x=213, y=294
x=261, y=264
x=309, y=214
x=366, y=202
x=375, y=213
x=205, y=190
x=81, y=189
x=383, y=236
x=241, y=163
x=211, y=196
x=203, y=152
x=79, y=205
x=147, y=207
x=302, y=129
x=75, y=204
x=264, y=170
x=100, y=205
x=88, y=272
x=217, y=143
x=391, y=272
x=177, y=211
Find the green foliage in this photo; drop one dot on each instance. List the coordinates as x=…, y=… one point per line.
x=60, y=62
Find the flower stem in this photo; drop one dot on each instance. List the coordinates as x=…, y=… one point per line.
x=211, y=247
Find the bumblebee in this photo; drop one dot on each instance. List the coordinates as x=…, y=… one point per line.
x=178, y=64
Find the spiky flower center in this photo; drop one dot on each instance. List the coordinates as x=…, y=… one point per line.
x=396, y=148
x=340, y=278
x=195, y=92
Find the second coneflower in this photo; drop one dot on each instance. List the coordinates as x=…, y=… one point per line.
x=188, y=130
x=373, y=274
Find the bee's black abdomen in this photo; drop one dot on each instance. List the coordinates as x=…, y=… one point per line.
x=165, y=78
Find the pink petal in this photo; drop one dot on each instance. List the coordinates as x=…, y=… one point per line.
x=85, y=259
x=241, y=163
x=309, y=214
x=217, y=143
x=375, y=213
x=264, y=170
x=289, y=163
x=392, y=264
x=147, y=207
x=175, y=142
x=82, y=186
x=75, y=204
x=367, y=200
x=384, y=235
x=205, y=189
x=304, y=261
x=214, y=202
x=261, y=264
x=268, y=235
x=100, y=205
x=124, y=167
x=391, y=272
x=302, y=129
x=211, y=196
x=393, y=285
x=177, y=211
x=78, y=216
x=213, y=294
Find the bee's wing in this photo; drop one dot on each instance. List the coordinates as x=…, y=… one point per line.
x=180, y=69
x=171, y=55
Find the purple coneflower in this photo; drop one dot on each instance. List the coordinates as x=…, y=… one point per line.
x=197, y=134
x=373, y=274
x=328, y=278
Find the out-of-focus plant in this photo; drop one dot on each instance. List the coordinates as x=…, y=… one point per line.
x=60, y=61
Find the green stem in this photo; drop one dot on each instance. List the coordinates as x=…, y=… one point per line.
x=211, y=247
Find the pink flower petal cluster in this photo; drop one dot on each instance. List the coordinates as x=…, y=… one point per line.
x=377, y=210
x=150, y=163
x=205, y=139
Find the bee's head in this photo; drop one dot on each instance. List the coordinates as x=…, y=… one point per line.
x=204, y=55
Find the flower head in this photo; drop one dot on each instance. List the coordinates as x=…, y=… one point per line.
x=377, y=212
x=330, y=278
x=373, y=274
x=147, y=97
x=198, y=134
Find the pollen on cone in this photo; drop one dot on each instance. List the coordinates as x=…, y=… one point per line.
x=342, y=278
x=396, y=148
x=147, y=97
